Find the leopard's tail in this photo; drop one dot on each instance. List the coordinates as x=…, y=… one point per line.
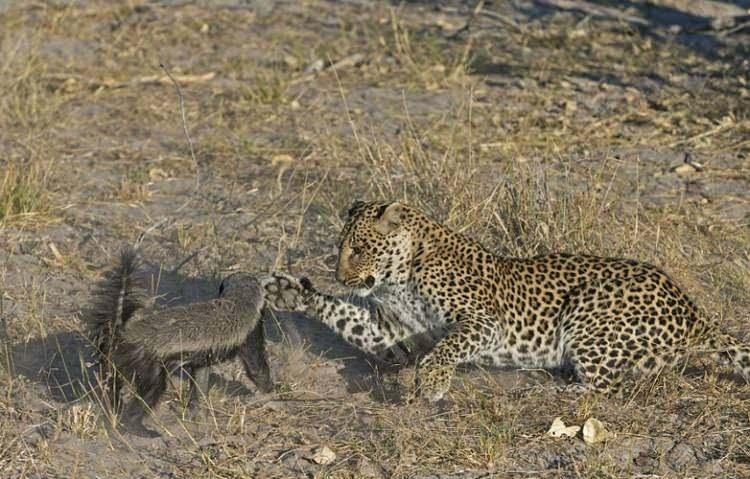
x=727, y=347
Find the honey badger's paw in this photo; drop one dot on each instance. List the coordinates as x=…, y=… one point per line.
x=285, y=292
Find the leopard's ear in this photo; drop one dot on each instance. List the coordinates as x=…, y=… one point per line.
x=388, y=218
x=353, y=209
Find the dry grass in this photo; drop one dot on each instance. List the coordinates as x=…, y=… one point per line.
x=23, y=190
x=561, y=134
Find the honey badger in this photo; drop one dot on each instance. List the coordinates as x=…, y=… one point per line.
x=143, y=345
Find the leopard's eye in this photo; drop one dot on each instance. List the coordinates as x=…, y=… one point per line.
x=356, y=250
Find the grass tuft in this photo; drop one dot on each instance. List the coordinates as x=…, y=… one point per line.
x=24, y=190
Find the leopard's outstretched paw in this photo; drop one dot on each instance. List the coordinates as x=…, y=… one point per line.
x=285, y=292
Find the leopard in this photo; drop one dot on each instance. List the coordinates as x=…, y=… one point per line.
x=601, y=318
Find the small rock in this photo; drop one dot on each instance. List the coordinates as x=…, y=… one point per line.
x=276, y=406
x=681, y=456
x=450, y=24
x=369, y=469
x=206, y=442
x=322, y=455
x=38, y=433
x=685, y=169
x=316, y=66
x=577, y=33
x=291, y=61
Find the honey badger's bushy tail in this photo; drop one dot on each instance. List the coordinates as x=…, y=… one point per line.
x=730, y=348
x=117, y=297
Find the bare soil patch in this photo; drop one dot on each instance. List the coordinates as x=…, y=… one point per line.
x=614, y=128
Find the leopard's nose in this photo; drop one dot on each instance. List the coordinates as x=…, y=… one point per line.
x=369, y=282
x=340, y=276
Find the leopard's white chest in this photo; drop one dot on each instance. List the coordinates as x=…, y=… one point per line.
x=413, y=312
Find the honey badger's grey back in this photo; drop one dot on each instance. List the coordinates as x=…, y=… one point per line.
x=143, y=345
x=219, y=324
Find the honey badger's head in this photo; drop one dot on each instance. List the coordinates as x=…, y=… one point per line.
x=242, y=286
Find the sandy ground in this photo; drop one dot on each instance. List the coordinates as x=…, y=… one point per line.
x=614, y=128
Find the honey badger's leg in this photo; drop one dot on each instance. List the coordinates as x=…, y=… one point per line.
x=199, y=387
x=149, y=391
x=199, y=384
x=252, y=353
x=149, y=377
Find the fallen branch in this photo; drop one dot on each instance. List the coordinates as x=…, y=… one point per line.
x=346, y=62
x=738, y=27
x=173, y=79
x=724, y=125
x=596, y=11
x=508, y=22
x=138, y=81
x=184, y=125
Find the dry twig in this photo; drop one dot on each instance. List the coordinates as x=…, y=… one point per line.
x=184, y=124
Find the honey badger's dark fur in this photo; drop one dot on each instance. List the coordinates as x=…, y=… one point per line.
x=143, y=345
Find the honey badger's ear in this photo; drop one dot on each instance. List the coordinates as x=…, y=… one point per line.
x=353, y=209
x=388, y=218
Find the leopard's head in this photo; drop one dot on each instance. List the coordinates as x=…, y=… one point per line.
x=375, y=246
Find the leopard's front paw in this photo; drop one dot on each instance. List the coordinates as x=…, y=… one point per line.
x=285, y=292
x=431, y=383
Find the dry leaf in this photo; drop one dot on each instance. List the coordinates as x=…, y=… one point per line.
x=559, y=429
x=322, y=455
x=594, y=431
x=282, y=160
x=157, y=174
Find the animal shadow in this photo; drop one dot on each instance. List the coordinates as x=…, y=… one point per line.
x=361, y=372
x=63, y=362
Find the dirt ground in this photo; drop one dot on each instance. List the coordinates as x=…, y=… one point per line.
x=613, y=128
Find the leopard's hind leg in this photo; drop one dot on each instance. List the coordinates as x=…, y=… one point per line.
x=603, y=355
